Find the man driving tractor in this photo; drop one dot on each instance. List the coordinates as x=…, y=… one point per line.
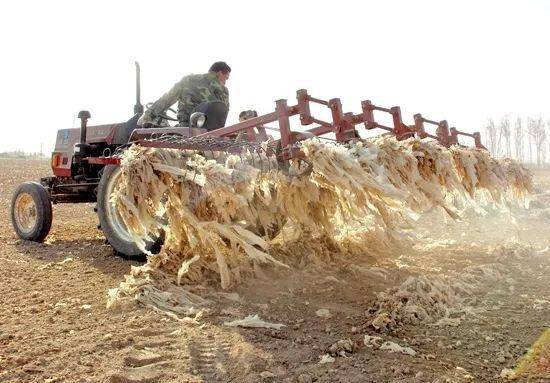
x=192, y=93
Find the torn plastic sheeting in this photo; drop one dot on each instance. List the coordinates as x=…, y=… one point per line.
x=254, y=321
x=394, y=347
x=326, y=358
x=372, y=341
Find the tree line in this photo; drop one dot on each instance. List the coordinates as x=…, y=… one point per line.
x=22, y=154
x=522, y=139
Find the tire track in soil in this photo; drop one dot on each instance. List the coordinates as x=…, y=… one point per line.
x=209, y=354
x=148, y=359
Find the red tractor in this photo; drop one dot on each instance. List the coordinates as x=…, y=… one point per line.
x=85, y=161
x=84, y=170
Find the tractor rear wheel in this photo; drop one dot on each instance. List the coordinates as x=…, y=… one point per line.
x=111, y=222
x=31, y=212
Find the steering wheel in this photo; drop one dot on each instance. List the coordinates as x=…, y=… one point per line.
x=164, y=116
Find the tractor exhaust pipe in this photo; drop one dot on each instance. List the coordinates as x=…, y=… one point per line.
x=81, y=148
x=138, y=108
x=83, y=115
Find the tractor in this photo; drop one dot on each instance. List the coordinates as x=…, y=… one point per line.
x=84, y=172
x=85, y=161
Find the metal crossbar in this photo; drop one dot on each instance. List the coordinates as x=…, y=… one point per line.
x=343, y=126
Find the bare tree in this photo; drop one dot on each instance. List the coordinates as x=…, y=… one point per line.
x=542, y=147
x=530, y=146
x=491, y=133
x=531, y=132
x=518, y=140
x=538, y=134
x=504, y=137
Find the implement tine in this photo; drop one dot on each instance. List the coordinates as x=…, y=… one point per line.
x=216, y=146
x=254, y=160
x=261, y=160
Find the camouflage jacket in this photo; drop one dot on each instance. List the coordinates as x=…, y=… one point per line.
x=189, y=92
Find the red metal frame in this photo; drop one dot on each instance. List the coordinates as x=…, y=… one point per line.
x=343, y=125
x=103, y=160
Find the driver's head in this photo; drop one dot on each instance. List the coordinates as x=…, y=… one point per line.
x=222, y=70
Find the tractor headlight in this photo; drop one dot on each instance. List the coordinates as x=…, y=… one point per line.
x=197, y=120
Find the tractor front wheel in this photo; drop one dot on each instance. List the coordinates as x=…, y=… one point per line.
x=31, y=212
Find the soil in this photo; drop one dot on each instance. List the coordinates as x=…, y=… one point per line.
x=55, y=326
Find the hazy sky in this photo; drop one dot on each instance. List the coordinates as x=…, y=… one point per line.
x=463, y=61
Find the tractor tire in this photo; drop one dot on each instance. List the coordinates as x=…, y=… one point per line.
x=111, y=223
x=31, y=212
